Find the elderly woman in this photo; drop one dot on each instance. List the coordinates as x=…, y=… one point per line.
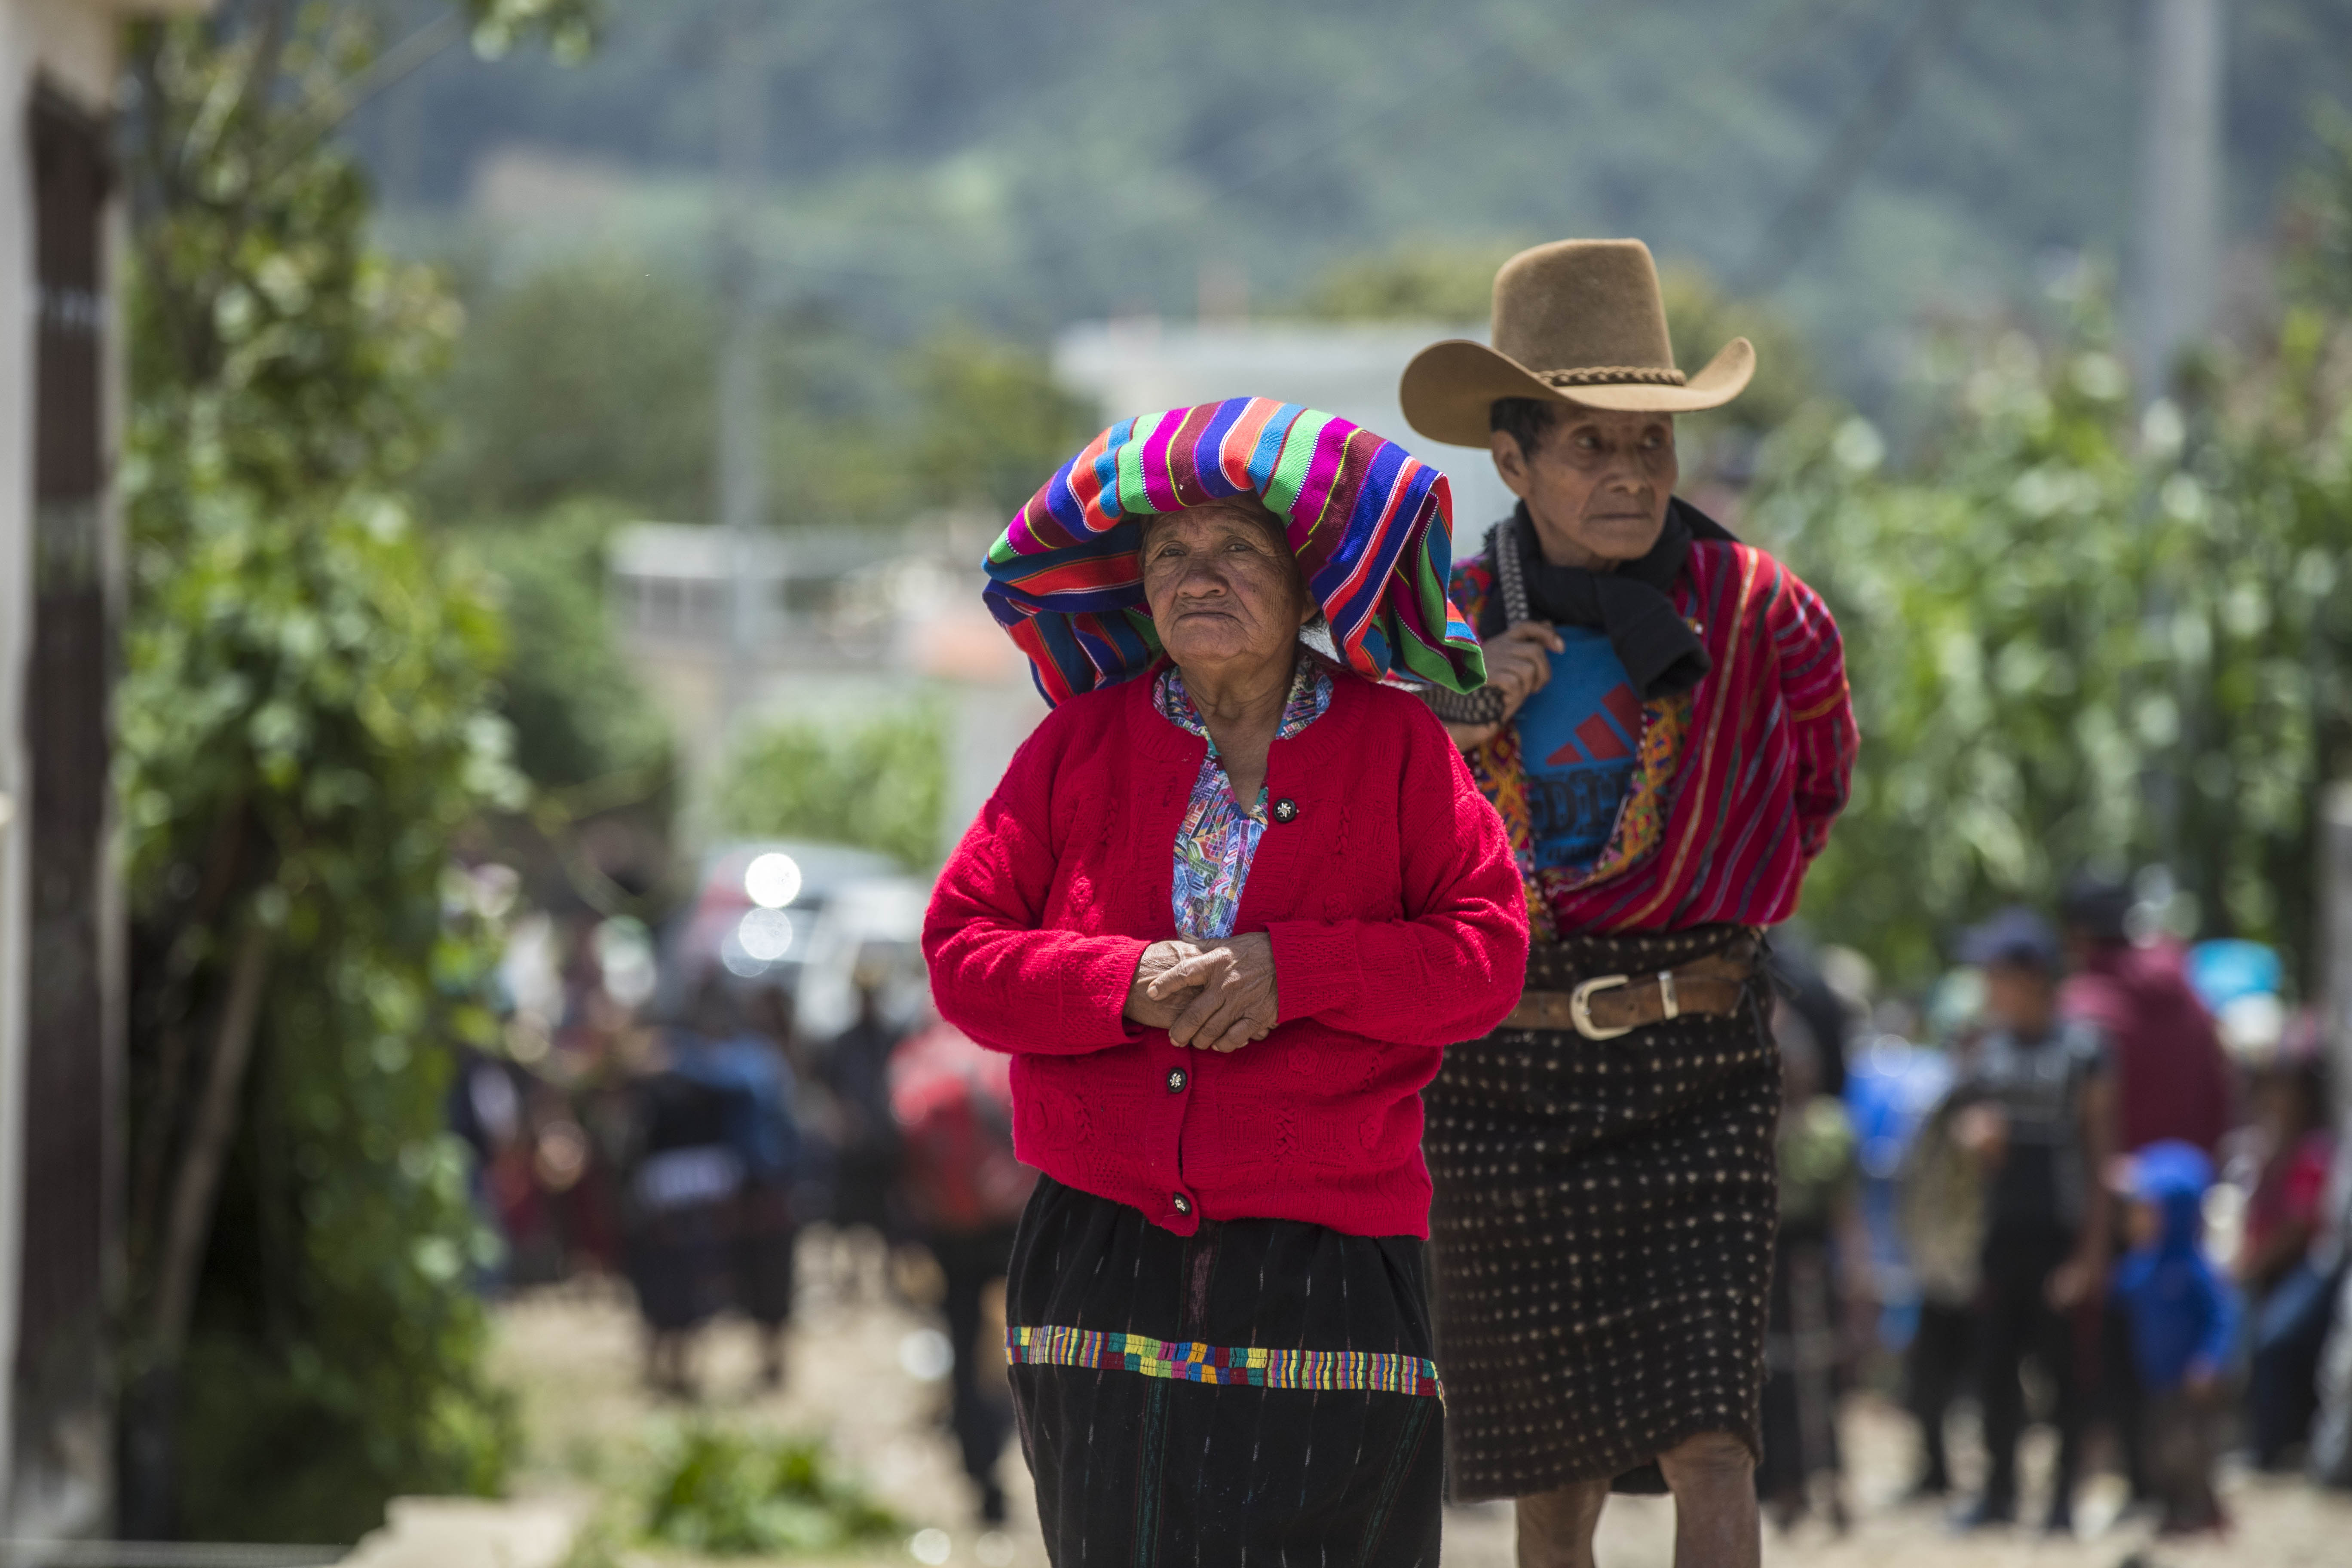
x=1225, y=910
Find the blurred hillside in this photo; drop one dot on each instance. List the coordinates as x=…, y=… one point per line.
x=1023, y=163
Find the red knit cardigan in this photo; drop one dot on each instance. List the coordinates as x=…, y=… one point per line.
x=1398, y=927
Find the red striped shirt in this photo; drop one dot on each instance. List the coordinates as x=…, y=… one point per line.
x=1765, y=760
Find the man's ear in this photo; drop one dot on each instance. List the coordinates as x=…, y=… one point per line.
x=1509, y=462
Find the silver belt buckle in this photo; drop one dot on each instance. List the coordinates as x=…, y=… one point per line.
x=1580, y=1008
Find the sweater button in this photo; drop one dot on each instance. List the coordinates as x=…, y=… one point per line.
x=1180, y=1203
x=1285, y=809
x=1176, y=1080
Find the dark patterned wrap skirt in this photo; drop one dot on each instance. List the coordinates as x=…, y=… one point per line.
x=1603, y=1231
x=1259, y=1393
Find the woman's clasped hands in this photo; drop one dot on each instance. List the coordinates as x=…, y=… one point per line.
x=1217, y=998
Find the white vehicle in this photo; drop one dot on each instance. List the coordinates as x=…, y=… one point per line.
x=808, y=918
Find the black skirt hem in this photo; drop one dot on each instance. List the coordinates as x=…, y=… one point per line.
x=1260, y=1389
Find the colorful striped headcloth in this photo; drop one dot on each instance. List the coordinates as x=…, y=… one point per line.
x=1372, y=527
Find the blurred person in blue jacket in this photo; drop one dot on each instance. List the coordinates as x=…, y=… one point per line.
x=710, y=1197
x=2184, y=1317
x=751, y=1068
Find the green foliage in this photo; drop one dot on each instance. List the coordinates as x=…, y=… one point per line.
x=260, y=326
x=305, y=723
x=993, y=160
x=310, y=684
x=1702, y=318
x=2318, y=262
x=594, y=377
x=877, y=780
x=2079, y=637
x=628, y=353
x=735, y=1493
x=991, y=424
x=1419, y=280
x=578, y=712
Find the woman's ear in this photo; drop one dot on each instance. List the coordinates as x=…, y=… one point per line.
x=1509, y=462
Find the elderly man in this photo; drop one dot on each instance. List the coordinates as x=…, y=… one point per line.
x=1666, y=734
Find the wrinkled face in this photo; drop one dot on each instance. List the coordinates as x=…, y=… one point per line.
x=1225, y=590
x=1597, y=485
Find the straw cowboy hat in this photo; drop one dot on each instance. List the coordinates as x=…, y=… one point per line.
x=1578, y=321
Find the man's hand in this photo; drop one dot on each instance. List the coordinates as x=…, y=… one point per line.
x=1236, y=1002
x=1982, y=1131
x=2079, y=1279
x=1518, y=662
x=1156, y=1008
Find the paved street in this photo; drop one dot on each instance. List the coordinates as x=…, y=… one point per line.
x=573, y=1353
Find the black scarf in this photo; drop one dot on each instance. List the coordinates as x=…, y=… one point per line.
x=1634, y=604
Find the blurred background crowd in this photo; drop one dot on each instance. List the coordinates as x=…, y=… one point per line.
x=494, y=656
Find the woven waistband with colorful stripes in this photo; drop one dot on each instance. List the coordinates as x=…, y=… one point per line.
x=1193, y=1362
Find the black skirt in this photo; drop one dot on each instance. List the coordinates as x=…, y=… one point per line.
x=1603, y=1231
x=1261, y=1391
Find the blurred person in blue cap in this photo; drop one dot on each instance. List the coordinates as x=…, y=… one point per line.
x=2183, y=1317
x=2037, y=1114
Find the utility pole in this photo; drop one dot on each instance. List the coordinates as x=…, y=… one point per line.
x=742, y=369
x=2177, y=242
x=2331, y=1429
x=2334, y=981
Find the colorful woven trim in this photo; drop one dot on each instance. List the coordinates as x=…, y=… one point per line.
x=1372, y=527
x=1192, y=1363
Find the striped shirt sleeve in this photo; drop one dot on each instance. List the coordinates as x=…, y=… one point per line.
x=1821, y=730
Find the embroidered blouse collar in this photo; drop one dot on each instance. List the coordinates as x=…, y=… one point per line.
x=1310, y=696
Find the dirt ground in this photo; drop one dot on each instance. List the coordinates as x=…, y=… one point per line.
x=572, y=1353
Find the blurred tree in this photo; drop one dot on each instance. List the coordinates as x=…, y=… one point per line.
x=579, y=715
x=992, y=425
x=305, y=723
x=594, y=377
x=876, y=780
x=924, y=161
x=2078, y=636
x=1418, y=281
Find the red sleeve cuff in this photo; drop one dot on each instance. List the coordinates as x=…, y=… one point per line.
x=1093, y=992
x=1315, y=968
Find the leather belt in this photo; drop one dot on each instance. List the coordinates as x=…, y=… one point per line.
x=1609, y=1006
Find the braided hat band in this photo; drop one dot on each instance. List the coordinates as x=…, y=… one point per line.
x=1370, y=524
x=1613, y=375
